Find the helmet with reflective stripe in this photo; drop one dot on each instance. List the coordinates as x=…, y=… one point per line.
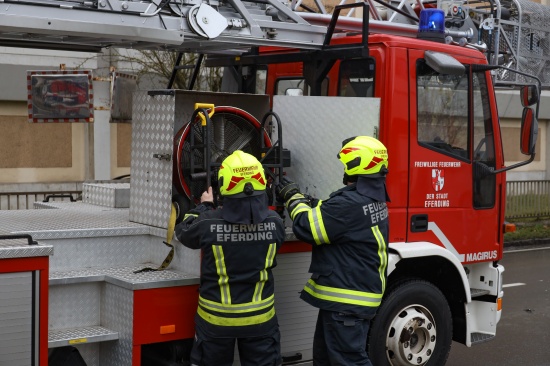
x=241, y=175
x=364, y=155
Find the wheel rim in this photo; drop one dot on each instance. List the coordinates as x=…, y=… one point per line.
x=411, y=337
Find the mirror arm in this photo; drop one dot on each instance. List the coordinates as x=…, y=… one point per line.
x=515, y=165
x=531, y=76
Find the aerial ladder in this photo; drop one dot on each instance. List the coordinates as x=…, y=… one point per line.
x=514, y=33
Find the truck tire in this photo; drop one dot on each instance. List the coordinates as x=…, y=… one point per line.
x=413, y=326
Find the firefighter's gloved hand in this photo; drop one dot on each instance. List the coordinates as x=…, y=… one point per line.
x=286, y=189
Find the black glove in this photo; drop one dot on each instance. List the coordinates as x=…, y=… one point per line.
x=285, y=189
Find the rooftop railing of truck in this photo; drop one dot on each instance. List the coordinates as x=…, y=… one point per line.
x=513, y=34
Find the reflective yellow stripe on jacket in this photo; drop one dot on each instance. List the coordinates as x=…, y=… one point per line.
x=382, y=254
x=223, y=280
x=236, y=322
x=342, y=295
x=237, y=308
x=317, y=225
x=295, y=208
x=226, y=306
x=270, y=257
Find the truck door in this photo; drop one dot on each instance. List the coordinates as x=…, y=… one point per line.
x=453, y=196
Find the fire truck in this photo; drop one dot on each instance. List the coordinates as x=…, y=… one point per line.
x=420, y=77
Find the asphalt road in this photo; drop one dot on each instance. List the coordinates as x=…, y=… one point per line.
x=523, y=333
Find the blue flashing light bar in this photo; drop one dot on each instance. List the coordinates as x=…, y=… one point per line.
x=432, y=25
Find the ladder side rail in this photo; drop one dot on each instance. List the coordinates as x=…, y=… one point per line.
x=243, y=24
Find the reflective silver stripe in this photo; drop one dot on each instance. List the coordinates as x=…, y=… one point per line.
x=223, y=280
x=342, y=295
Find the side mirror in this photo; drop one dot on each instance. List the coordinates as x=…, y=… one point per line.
x=529, y=131
x=529, y=95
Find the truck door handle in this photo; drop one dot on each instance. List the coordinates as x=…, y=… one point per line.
x=419, y=223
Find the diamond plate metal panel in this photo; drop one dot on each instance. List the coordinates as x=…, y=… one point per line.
x=152, y=133
x=124, y=277
x=313, y=130
x=185, y=260
x=78, y=206
x=58, y=338
x=55, y=224
x=99, y=252
x=107, y=194
x=72, y=306
x=117, y=312
x=19, y=248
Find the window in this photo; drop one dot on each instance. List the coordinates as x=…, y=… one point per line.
x=297, y=87
x=484, y=147
x=356, y=78
x=446, y=126
x=443, y=111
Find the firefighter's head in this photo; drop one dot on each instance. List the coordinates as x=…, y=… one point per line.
x=363, y=156
x=241, y=175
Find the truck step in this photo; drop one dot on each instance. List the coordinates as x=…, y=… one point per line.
x=91, y=334
x=476, y=292
x=477, y=338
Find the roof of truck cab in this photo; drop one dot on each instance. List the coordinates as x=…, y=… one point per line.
x=414, y=43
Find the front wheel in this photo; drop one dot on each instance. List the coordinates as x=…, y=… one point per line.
x=413, y=326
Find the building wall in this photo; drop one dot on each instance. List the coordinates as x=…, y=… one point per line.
x=54, y=152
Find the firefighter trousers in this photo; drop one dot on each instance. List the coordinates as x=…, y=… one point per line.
x=340, y=340
x=253, y=351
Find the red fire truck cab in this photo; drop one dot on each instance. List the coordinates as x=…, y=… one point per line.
x=440, y=123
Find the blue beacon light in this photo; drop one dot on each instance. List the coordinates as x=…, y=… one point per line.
x=432, y=25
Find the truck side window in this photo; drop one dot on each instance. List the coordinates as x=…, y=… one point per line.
x=297, y=87
x=442, y=111
x=356, y=78
x=484, y=147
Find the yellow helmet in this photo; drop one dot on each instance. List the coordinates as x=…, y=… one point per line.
x=364, y=155
x=241, y=173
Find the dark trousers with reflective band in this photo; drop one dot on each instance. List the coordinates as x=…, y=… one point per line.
x=253, y=351
x=340, y=340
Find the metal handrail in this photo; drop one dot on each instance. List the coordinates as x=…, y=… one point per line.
x=24, y=200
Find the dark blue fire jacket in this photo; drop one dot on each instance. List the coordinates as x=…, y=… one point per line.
x=349, y=233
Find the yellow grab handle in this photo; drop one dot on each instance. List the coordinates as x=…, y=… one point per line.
x=204, y=106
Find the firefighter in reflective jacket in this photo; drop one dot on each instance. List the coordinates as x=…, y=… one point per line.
x=349, y=234
x=239, y=244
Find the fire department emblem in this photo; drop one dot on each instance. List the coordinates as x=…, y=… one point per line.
x=438, y=179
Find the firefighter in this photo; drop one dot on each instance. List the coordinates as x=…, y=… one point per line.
x=349, y=234
x=239, y=245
